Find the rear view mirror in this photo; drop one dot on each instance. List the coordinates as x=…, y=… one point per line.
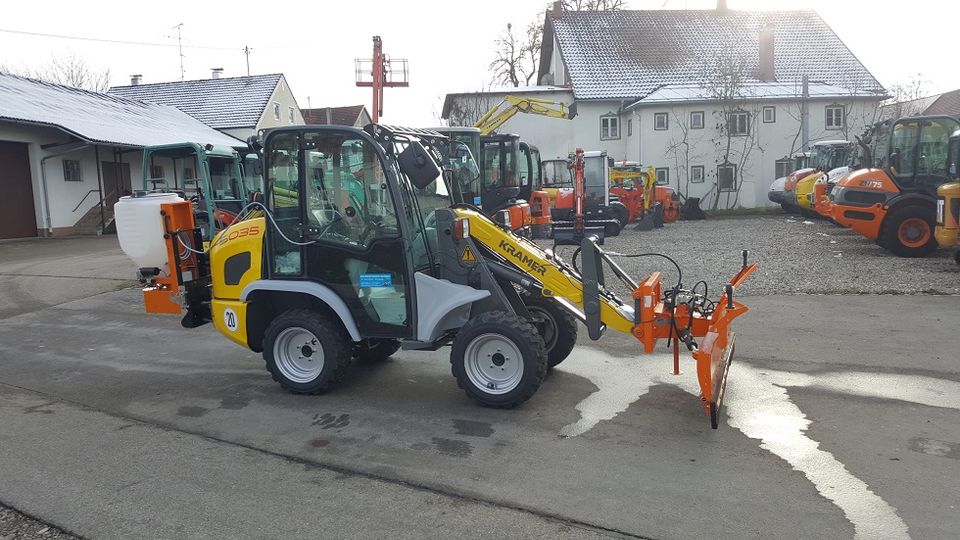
x=417, y=164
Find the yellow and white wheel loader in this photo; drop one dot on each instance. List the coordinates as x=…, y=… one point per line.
x=373, y=256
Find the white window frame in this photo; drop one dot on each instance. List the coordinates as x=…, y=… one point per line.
x=772, y=118
x=835, y=123
x=665, y=176
x=68, y=170
x=661, y=121
x=276, y=110
x=697, y=114
x=629, y=127
x=746, y=123
x=732, y=166
x=703, y=174
x=292, y=116
x=612, y=127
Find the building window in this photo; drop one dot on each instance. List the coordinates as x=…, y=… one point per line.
x=156, y=171
x=630, y=127
x=727, y=177
x=697, y=172
x=784, y=167
x=290, y=110
x=276, y=111
x=696, y=120
x=738, y=123
x=769, y=115
x=188, y=173
x=661, y=122
x=835, y=114
x=609, y=127
x=663, y=176
x=71, y=171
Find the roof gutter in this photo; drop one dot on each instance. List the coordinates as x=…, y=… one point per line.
x=43, y=184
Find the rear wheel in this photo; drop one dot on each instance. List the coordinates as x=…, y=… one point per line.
x=786, y=207
x=305, y=352
x=620, y=212
x=556, y=325
x=498, y=359
x=908, y=231
x=612, y=227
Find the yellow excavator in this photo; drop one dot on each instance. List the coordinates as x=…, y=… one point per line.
x=397, y=264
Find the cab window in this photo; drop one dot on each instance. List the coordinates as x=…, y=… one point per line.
x=223, y=180
x=346, y=191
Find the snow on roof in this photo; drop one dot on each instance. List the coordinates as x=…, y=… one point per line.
x=101, y=118
x=228, y=102
x=628, y=54
x=674, y=93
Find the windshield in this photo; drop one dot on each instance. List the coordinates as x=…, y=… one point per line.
x=500, y=164
x=594, y=179
x=464, y=172
x=918, y=152
x=839, y=157
x=557, y=174
x=953, y=161
x=537, y=168
x=224, y=179
x=251, y=180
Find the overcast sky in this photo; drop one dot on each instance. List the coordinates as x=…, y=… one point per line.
x=449, y=46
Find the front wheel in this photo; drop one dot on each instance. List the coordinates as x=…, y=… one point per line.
x=498, y=359
x=908, y=231
x=305, y=352
x=556, y=325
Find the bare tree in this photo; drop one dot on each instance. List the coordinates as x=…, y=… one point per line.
x=682, y=150
x=509, y=59
x=592, y=5
x=736, y=124
x=904, y=98
x=530, y=52
x=70, y=70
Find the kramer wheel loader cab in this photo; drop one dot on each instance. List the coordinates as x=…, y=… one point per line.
x=212, y=177
x=895, y=206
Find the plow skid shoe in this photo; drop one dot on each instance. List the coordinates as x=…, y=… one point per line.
x=713, y=364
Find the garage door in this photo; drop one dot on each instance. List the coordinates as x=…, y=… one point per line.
x=17, y=219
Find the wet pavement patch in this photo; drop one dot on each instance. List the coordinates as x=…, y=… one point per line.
x=192, y=411
x=472, y=428
x=452, y=447
x=933, y=447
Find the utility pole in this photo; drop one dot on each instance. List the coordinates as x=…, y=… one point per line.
x=246, y=51
x=180, y=46
x=383, y=74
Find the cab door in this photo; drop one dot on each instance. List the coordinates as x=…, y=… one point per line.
x=330, y=195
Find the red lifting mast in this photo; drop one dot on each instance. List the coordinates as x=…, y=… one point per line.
x=384, y=72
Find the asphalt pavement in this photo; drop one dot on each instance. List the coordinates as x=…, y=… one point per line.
x=840, y=421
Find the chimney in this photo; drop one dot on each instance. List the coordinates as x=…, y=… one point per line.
x=721, y=5
x=135, y=79
x=557, y=7
x=215, y=73
x=766, y=67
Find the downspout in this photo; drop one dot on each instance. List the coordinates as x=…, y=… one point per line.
x=43, y=184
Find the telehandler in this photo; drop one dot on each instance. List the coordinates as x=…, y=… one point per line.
x=318, y=284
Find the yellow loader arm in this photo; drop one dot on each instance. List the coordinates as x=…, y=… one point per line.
x=511, y=105
x=683, y=316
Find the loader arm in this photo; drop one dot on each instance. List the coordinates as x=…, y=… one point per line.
x=702, y=325
x=511, y=105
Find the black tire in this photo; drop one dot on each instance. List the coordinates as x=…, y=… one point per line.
x=808, y=214
x=956, y=257
x=786, y=208
x=486, y=332
x=894, y=239
x=559, y=326
x=317, y=333
x=620, y=212
x=375, y=350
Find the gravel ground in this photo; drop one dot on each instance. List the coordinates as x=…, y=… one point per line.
x=796, y=256
x=16, y=526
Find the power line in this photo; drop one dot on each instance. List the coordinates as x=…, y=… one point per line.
x=102, y=40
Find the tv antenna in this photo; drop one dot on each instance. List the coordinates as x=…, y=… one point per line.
x=180, y=46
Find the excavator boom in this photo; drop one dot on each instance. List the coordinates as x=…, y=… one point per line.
x=511, y=105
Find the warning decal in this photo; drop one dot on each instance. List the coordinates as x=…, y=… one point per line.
x=468, y=256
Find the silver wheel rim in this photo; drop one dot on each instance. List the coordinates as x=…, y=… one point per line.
x=493, y=364
x=541, y=315
x=298, y=355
